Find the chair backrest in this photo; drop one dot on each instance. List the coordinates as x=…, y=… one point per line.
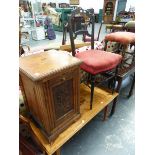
x=98, y=36
x=130, y=26
x=87, y=18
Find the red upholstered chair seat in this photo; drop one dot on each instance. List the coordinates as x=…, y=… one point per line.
x=122, y=37
x=96, y=61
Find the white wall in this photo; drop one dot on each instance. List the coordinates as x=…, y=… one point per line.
x=130, y=3
x=96, y=4
x=115, y=11
x=86, y=4
x=55, y=1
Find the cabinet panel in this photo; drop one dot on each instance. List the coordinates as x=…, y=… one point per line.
x=63, y=98
x=63, y=92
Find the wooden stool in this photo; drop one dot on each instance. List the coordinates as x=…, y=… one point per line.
x=124, y=39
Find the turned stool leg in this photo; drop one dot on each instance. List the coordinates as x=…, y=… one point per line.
x=113, y=106
x=116, y=98
x=92, y=90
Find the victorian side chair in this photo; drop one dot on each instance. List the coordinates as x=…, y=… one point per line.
x=94, y=61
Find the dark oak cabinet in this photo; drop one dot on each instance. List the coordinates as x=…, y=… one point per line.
x=50, y=86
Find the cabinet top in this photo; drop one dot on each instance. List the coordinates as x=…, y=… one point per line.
x=38, y=66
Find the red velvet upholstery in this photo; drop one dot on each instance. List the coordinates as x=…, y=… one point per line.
x=122, y=37
x=96, y=61
x=88, y=39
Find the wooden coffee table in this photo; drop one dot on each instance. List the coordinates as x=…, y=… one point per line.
x=102, y=98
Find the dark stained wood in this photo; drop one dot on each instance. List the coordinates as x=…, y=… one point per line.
x=132, y=86
x=63, y=98
x=50, y=83
x=26, y=148
x=81, y=30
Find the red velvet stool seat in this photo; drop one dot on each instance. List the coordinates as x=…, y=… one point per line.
x=124, y=39
x=121, y=37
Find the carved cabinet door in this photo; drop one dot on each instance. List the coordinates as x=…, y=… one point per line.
x=63, y=92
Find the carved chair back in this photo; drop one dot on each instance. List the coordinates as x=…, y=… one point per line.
x=130, y=26
x=85, y=18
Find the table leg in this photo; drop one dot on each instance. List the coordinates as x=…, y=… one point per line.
x=58, y=152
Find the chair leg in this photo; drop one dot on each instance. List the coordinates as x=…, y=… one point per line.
x=113, y=85
x=109, y=84
x=132, y=86
x=113, y=106
x=115, y=79
x=64, y=35
x=92, y=82
x=115, y=100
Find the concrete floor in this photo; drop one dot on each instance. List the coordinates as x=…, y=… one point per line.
x=34, y=43
x=112, y=137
